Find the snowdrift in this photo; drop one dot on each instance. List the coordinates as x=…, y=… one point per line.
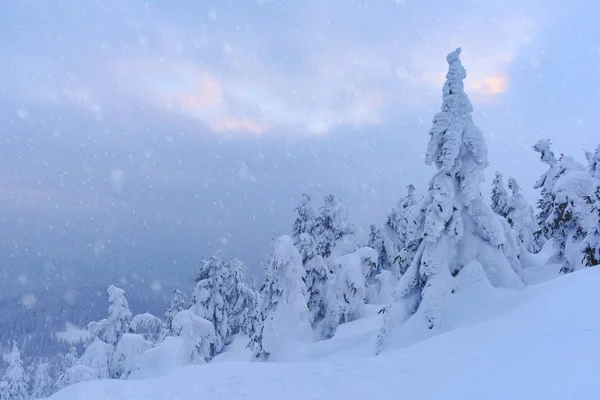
x=543, y=346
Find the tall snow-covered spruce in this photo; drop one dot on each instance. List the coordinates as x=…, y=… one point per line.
x=284, y=319
x=521, y=218
x=13, y=385
x=459, y=228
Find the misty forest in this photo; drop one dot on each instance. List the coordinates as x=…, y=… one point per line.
x=479, y=281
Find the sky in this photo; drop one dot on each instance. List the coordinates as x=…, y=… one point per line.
x=138, y=137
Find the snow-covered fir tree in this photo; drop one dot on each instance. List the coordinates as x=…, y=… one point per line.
x=119, y=316
x=284, y=317
x=376, y=241
x=591, y=244
x=395, y=236
x=98, y=357
x=348, y=294
x=499, y=196
x=148, y=326
x=545, y=184
x=13, y=385
x=334, y=231
x=305, y=219
x=123, y=361
x=317, y=277
x=177, y=304
x=198, y=335
x=42, y=383
x=458, y=226
x=593, y=159
x=563, y=212
x=209, y=300
x=521, y=218
x=242, y=301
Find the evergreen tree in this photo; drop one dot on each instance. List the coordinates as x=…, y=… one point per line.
x=119, y=316
x=545, y=183
x=395, y=236
x=284, y=315
x=376, y=241
x=242, y=301
x=348, y=295
x=317, y=277
x=42, y=383
x=594, y=162
x=305, y=220
x=177, y=304
x=563, y=214
x=521, y=218
x=13, y=385
x=591, y=245
x=198, y=335
x=458, y=226
x=334, y=231
x=209, y=300
x=148, y=326
x=499, y=196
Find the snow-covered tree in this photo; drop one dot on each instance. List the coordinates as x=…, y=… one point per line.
x=130, y=346
x=376, y=241
x=317, y=277
x=305, y=220
x=98, y=357
x=349, y=292
x=563, y=213
x=177, y=304
x=13, y=385
x=458, y=225
x=395, y=236
x=119, y=316
x=591, y=244
x=209, y=300
x=594, y=162
x=334, y=231
x=42, y=383
x=284, y=315
x=545, y=184
x=521, y=218
x=499, y=196
x=198, y=334
x=242, y=301
x=147, y=325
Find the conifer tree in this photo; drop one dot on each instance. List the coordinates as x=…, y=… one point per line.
x=317, y=277
x=13, y=385
x=42, y=383
x=177, y=304
x=305, y=220
x=284, y=315
x=521, y=218
x=209, y=300
x=563, y=214
x=397, y=236
x=458, y=227
x=334, y=231
x=591, y=245
x=119, y=316
x=376, y=241
x=242, y=301
x=499, y=196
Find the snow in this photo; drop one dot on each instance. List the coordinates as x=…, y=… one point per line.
x=535, y=343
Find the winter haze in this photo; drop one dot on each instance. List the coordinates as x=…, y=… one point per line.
x=140, y=137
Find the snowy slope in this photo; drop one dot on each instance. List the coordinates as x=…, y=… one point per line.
x=544, y=347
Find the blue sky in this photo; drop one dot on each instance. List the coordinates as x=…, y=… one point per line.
x=148, y=134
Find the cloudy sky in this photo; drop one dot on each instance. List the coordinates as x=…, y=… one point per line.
x=144, y=135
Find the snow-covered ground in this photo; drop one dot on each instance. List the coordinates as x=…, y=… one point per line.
x=540, y=342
